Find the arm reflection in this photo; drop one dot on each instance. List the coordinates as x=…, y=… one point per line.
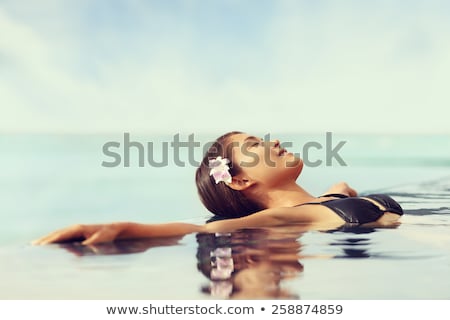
x=118, y=247
x=253, y=263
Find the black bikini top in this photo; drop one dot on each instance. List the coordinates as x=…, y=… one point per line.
x=357, y=210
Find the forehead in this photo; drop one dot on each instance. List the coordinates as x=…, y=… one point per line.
x=241, y=138
x=237, y=142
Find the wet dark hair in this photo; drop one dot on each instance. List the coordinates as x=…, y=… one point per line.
x=218, y=198
x=237, y=241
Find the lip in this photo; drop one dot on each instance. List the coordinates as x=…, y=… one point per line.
x=282, y=151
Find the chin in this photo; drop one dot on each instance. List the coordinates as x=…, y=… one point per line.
x=299, y=166
x=294, y=162
x=295, y=165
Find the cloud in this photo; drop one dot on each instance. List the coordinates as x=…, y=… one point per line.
x=296, y=67
x=373, y=66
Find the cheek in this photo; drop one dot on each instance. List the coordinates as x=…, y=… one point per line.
x=269, y=167
x=247, y=158
x=252, y=162
x=256, y=172
x=270, y=175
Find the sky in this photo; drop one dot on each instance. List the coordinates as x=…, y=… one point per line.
x=79, y=66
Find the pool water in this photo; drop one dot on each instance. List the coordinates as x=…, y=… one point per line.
x=48, y=182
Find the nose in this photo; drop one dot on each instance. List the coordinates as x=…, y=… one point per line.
x=275, y=143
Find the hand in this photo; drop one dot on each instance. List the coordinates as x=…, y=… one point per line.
x=342, y=188
x=90, y=234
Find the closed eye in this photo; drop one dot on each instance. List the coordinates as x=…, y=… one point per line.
x=253, y=142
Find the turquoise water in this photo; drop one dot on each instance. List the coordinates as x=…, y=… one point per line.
x=50, y=181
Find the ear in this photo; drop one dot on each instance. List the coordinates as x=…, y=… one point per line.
x=240, y=183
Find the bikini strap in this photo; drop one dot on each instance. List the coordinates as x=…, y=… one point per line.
x=302, y=204
x=336, y=195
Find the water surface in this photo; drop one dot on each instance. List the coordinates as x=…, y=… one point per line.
x=48, y=182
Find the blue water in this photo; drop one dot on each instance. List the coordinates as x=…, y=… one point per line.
x=51, y=181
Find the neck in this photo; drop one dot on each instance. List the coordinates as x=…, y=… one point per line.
x=285, y=196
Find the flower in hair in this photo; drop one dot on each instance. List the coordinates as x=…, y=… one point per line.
x=220, y=169
x=222, y=265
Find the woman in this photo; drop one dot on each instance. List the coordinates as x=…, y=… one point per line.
x=252, y=183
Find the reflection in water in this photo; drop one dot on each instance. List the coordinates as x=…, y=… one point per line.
x=118, y=247
x=249, y=264
x=353, y=246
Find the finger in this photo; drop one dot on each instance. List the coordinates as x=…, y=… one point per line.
x=105, y=234
x=73, y=232
x=46, y=239
x=98, y=237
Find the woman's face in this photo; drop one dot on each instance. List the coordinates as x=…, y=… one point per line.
x=263, y=161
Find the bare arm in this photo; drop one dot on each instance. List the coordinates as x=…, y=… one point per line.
x=97, y=233
x=265, y=218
